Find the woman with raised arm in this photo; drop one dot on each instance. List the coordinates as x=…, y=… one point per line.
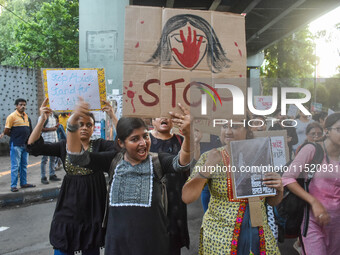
x=226, y=226
x=137, y=222
x=77, y=220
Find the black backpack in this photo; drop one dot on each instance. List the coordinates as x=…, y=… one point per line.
x=290, y=212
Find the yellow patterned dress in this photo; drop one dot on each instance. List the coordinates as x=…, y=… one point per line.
x=222, y=221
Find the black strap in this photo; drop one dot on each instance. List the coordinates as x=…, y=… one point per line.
x=115, y=161
x=157, y=168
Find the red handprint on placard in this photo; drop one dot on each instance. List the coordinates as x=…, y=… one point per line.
x=191, y=49
x=130, y=94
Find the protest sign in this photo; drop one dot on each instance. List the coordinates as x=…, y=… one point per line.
x=263, y=102
x=279, y=145
x=251, y=160
x=330, y=111
x=316, y=107
x=292, y=110
x=168, y=50
x=64, y=86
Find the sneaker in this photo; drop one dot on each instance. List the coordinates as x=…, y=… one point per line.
x=54, y=178
x=44, y=180
x=14, y=189
x=297, y=246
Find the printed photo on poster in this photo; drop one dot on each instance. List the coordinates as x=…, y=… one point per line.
x=249, y=158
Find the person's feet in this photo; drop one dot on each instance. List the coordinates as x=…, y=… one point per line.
x=25, y=186
x=54, y=178
x=14, y=189
x=44, y=180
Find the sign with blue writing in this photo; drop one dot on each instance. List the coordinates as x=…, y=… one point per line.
x=64, y=86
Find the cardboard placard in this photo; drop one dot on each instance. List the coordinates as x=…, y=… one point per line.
x=263, y=102
x=292, y=110
x=166, y=50
x=279, y=145
x=255, y=211
x=64, y=86
x=249, y=159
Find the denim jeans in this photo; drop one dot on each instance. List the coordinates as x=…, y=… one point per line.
x=94, y=251
x=44, y=160
x=19, y=160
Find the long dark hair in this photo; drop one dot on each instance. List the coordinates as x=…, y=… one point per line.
x=216, y=57
x=331, y=120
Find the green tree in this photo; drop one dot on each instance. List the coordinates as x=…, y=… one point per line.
x=289, y=60
x=48, y=37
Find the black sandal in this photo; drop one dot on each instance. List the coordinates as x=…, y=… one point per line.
x=27, y=186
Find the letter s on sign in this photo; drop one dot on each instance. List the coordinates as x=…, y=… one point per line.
x=146, y=89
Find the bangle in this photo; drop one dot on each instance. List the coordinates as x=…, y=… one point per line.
x=72, y=128
x=203, y=176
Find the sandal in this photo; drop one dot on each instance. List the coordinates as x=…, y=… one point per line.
x=27, y=186
x=14, y=189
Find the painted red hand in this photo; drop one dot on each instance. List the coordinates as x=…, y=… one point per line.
x=191, y=49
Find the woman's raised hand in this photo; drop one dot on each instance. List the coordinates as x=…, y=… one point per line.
x=183, y=121
x=82, y=109
x=44, y=110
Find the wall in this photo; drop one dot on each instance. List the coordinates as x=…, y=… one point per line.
x=16, y=83
x=101, y=38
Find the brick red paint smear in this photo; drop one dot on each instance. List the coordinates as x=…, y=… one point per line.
x=137, y=45
x=191, y=49
x=239, y=51
x=142, y=22
x=131, y=95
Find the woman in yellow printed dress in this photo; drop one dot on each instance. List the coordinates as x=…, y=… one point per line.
x=226, y=227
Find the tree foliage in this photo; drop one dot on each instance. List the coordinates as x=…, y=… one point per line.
x=45, y=35
x=291, y=57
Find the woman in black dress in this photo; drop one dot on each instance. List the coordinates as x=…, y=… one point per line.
x=137, y=222
x=77, y=220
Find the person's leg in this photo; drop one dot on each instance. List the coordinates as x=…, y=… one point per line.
x=94, y=251
x=43, y=169
x=15, y=157
x=314, y=242
x=23, y=166
x=52, y=165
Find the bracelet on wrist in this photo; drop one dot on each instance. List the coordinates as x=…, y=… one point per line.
x=72, y=128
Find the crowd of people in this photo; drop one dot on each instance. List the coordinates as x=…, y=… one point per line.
x=154, y=174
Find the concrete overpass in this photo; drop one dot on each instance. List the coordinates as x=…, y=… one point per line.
x=267, y=21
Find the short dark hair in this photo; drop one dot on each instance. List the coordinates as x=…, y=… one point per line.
x=313, y=125
x=320, y=115
x=19, y=100
x=126, y=125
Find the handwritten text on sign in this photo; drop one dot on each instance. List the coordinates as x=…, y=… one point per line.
x=65, y=86
x=263, y=102
x=278, y=150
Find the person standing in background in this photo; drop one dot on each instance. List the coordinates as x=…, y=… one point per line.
x=18, y=127
x=162, y=140
x=302, y=122
x=49, y=133
x=63, y=117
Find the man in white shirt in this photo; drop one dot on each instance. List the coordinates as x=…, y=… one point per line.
x=49, y=133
